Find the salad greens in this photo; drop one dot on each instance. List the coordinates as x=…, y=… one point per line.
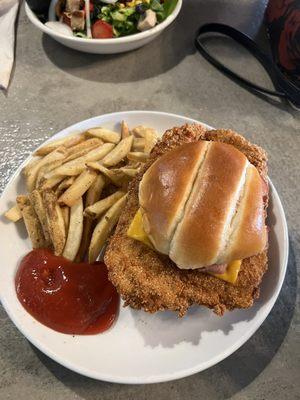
x=163, y=10
x=113, y=18
x=125, y=19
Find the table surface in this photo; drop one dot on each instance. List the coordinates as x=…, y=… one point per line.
x=53, y=87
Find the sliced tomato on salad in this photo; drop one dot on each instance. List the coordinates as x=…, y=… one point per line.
x=102, y=30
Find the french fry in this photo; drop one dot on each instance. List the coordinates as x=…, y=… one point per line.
x=138, y=156
x=75, y=167
x=148, y=134
x=92, y=196
x=14, y=214
x=75, y=231
x=131, y=172
x=142, y=131
x=66, y=216
x=95, y=190
x=82, y=148
x=68, y=175
x=34, y=160
x=68, y=141
x=124, y=130
x=150, y=140
x=115, y=176
x=55, y=220
x=58, y=154
x=37, y=203
x=88, y=225
x=96, y=210
x=66, y=183
x=139, y=131
x=105, y=134
x=43, y=170
x=78, y=188
x=118, y=153
x=104, y=228
x=133, y=164
x=32, y=223
x=138, y=144
x=51, y=182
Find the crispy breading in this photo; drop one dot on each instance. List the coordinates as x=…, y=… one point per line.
x=150, y=281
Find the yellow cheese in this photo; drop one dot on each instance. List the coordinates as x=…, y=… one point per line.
x=136, y=232
x=231, y=273
x=134, y=3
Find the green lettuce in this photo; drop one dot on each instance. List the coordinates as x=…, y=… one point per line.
x=124, y=20
x=163, y=10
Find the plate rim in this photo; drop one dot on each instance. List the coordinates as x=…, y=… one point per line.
x=169, y=376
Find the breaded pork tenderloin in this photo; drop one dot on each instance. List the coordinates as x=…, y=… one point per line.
x=149, y=280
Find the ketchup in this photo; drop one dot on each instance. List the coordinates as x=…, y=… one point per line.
x=65, y=296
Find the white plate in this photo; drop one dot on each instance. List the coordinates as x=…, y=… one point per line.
x=142, y=348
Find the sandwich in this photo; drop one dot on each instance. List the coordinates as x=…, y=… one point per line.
x=193, y=230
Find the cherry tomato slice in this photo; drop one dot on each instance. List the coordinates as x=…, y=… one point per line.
x=102, y=30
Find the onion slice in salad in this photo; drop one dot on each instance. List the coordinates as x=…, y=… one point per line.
x=88, y=19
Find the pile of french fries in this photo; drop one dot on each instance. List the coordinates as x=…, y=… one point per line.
x=77, y=188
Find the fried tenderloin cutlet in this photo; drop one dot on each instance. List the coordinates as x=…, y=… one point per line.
x=150, y=281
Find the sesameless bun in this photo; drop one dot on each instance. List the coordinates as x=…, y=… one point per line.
x=165, y=189
x=202, y=204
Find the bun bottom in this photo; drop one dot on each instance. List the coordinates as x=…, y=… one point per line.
x=150, y=281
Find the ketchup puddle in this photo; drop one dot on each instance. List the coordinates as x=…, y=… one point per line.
x=73, y=298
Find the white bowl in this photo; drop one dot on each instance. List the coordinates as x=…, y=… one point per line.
x=142, y=347
x=105, y=46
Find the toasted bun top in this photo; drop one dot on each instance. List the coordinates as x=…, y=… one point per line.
x=202, y=204
x=165, y=189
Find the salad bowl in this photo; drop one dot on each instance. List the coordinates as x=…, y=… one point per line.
x=103, y=46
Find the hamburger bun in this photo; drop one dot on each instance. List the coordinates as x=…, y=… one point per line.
x=202, y=205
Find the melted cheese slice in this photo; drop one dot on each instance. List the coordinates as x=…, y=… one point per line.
x=136, y=232
x=231, y=273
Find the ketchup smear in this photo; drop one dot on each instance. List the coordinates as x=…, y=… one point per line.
x=65, y=296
